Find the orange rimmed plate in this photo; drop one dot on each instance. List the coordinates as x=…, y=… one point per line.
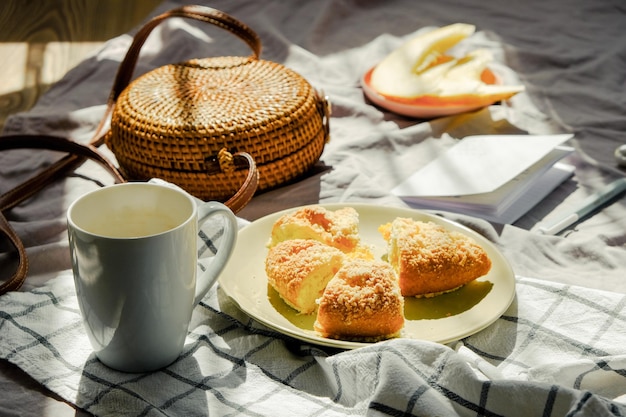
x=430, y=106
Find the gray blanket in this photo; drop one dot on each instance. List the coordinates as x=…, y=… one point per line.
x=558, y=349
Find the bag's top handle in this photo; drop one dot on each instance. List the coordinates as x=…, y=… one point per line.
x=201, y=13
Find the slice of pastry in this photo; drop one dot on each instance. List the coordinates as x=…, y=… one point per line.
x=430, y=259
x=339, y=228
x=361, y=302
x=299, y=270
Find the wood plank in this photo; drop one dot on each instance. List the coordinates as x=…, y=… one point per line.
x=41, y=40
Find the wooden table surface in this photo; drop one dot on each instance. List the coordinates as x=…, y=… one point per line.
x=40, y=40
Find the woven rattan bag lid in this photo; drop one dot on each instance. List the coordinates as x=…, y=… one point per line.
x=183, y=122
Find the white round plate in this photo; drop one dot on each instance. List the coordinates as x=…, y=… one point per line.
x=442, y=319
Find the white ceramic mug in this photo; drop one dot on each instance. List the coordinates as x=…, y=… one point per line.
x=135, y=261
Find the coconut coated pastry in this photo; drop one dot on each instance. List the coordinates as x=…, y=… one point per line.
x=430, y=259
x=339, y=228
x=361, y=302
x=299, y=270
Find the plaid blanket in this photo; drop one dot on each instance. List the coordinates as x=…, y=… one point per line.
x=558, y=350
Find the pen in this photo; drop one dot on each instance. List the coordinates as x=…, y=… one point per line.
x=591, y=203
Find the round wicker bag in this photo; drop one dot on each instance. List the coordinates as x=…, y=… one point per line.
x=184, y=122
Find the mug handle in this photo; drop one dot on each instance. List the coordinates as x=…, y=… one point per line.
x=208, y=277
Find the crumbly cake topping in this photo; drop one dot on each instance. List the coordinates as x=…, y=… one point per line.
x=361, y=288
x=430, y=259
x=299, y=270
x=339, y=228
x=432, y=244
x=294, y=260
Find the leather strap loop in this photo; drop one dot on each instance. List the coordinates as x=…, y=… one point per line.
x=248, y=188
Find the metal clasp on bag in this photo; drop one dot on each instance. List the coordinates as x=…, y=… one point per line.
x=223, y=161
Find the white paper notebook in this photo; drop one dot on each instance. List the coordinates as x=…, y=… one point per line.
x=498, y=178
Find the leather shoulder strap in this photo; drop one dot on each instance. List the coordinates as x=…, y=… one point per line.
x=77, y=153
x=17, y=279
